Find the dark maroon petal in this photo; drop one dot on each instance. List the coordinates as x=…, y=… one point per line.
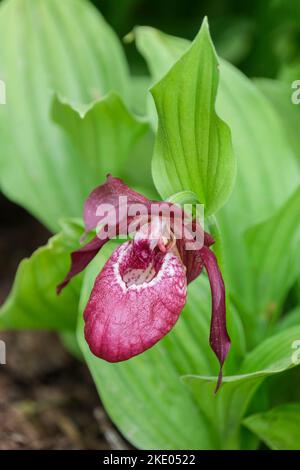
x=83, y=256
x=130, y=308
x=80, y=259
x=192, y=259
x=219, y=339
x=109, y=193
x=208, y=239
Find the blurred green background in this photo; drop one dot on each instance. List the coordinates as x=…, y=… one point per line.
x=259, y=36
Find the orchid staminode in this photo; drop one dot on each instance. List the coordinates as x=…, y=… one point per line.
x=140, y=293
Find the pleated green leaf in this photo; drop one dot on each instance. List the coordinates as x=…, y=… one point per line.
x=278, y=427
x=49, y=47
x=32, y=302
x=103, y=138
x=226, y=409
x=193, y=147
x=292, y=318
x=160, y=51
x=267, y=174
x=280, y=95
x=273, y=248
x=139, y=86
x=273, y=356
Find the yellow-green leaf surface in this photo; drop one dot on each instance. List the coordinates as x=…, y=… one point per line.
x=280, y=95
x=272, y=356
x=49, y=47
x=160, y=51
x=291, y=318
x=278, y=427
x=103, y=138
x=33, y=302
x=225, y=410
x=274, y=253
x=193, y=148
x=267, y=172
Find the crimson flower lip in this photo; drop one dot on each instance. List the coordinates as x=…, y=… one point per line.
x=140, y=293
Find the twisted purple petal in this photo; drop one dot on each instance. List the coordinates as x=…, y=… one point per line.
x=219, y=339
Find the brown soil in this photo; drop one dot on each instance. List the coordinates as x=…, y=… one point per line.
x=47, y=398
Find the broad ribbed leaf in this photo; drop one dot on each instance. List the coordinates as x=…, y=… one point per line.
x=226, y=409
x=280, y=96
x=164, y=415
x=273, y=356
x=193, y=147
x=102, y=138
x=267, y=171
x=51, y=46
x=275, y=259
x=267, y=174
x=160, y=51
x=279, y=427
x=139, y=86
x=32, y=302
x=291, y=318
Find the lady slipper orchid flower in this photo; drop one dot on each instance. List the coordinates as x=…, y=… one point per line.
x=139, y=294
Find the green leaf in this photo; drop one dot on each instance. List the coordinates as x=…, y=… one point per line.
x=281, y=388
x=290, y=72
x=160, y=51
x=275, y=260
x=267, y=171
x=33, y=302
x=267, y=176
x=51, y=46
x=139, y=86
x=291, y=318
x=273, y=356
x=184, y=197
x=280, y=96
x=193, y=147
x=164, y=413
x=278, y=427
x=102, y=137
x=226, y=409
